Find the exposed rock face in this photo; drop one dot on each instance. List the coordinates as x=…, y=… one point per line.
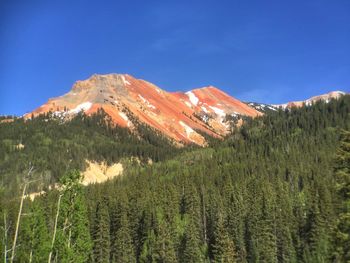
x=100, y=172
x=325, y=97
x=177, y=115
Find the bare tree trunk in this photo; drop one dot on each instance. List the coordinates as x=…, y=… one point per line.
x=19, y=216
x=204, y=219
x=17, y=223
x=69, y=236
x=32, y=245
x=68, y=224
x=5, y=238
x=31, y=256
x=55, y=228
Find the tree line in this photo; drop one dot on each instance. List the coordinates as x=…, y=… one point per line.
x=276, y=190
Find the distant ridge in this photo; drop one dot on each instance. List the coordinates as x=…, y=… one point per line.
x=325, y=97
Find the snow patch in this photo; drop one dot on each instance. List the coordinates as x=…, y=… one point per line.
x=149, y=105
x=142, y=98
x=218, y=111
x=81, y=107
x=272, y=108
x=188, y=129
x=309, y=102
x=204, y=109
x=221, y=114
x=59, y=114
x=123, y=115
x=194, y=100
x=188, y=104
x=125, y=81
x=205, y=118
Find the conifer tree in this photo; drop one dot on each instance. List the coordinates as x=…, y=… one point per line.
x=73, y=243
x=148, y=249
x=123, y=250
x=224, y=248
x=266, y=233
x=342, y=174
x=164, y=247
x=34, y=238
x=192, y=246
x=101, y=234
x=316, y=247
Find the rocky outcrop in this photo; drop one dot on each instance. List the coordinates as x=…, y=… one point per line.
x=178, y=115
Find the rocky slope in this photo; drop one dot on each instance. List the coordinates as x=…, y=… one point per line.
x=325, y=97
x=178, y=115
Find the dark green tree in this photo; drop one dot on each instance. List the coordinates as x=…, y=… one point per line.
x=342, y=174
x=224, y=248
x=164, y=248
x=34, y=237
x=73, y=242
x=101, y=234
x=192, y=244
x=122, y=247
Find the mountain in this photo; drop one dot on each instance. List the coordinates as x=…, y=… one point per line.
x=262, y=107
x=324, y=97
x=273, y=182
x=180, y=116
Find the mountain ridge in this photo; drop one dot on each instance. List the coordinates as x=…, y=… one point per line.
x=324, y=97
x=178, y=115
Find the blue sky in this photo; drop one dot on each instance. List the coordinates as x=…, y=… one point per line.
x=269, y=51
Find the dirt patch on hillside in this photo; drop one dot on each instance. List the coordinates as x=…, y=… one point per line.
x=100, y=172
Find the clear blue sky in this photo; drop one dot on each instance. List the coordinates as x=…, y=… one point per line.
x=256, y=50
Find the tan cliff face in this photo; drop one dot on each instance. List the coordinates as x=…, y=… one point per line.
x=177, y=115
x=324, y=97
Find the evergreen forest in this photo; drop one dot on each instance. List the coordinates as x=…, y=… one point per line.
x=276, y=189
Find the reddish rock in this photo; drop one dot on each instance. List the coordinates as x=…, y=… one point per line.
x=178, y=115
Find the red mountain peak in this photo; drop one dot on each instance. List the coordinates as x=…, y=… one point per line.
x=177, y=115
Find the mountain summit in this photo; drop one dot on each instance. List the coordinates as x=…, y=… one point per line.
x=179, y=116
x=324, y=97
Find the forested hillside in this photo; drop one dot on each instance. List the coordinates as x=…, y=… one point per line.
x=53, y=147
x=275, y=190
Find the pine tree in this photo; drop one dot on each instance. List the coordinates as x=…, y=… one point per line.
x=123, y=250
x=164, y=247
x=224, y=248
x=235, y=221
x=342, y=174
x=316, y=247
x=73, y=242
x=101, y=235
x=192, y=247
x=34, y=238
x=147, y=253
x=266, y=236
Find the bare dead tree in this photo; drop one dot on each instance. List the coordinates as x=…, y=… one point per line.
x=13, y=252
x=6, y=228
x=55, y=227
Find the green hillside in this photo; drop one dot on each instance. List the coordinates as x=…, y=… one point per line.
x=275, y=190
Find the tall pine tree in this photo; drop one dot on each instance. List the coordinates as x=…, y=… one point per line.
x=101, y=235
x=342, y=173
